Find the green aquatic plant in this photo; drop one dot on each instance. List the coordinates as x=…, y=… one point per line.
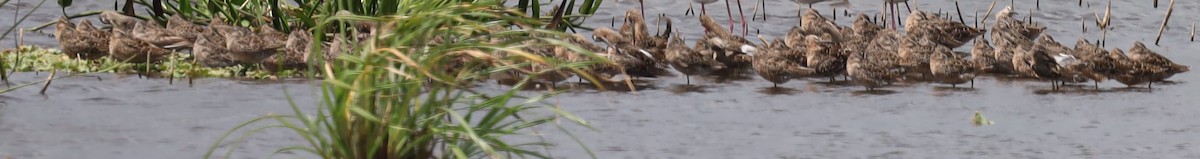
x=407, y=89
x=32, y=58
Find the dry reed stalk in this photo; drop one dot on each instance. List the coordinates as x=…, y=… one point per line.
x=1193, y=31
x=1170, y=9
x=1103, y=22
x=48, y=80
x=988, y=13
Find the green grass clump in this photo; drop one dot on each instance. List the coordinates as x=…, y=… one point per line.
x=407, y=90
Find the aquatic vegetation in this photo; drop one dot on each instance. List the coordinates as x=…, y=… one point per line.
x=32, y=58
x=405, y=88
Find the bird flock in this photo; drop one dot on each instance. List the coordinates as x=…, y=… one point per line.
x=865, y=53
x=217, y=45
x=871, y=55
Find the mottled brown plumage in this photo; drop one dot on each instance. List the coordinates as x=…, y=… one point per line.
x=1140, y=53
x=151, y=32
x=81, y=41
x=878, y=65
x=825, y=57
x=688, y=61
x=124, y=47
x=1098, y=66
x=772, y=66
x=254, y=47
x=634, y=61
x=983, y=55
x=179, y=27
x=294, y=56
x=1134, y=72
x=118, y=20
x=915, y=52
x=951, y=68
x=730, y=50
x=944, y=32
x=812, y=23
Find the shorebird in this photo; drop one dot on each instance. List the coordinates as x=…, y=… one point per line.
x=772, y=66
x=916, y=51
x=1034, y=62
x=124, y=47
x=690, y=62
x=81, y=41
x=825, y=57
x=733, y=51
x=1139, y=53
x=1008, y=34
x=1098, y=65
x=118, y=20
x=947, y=33
x=878, y=65
x=209, y=50
x=177, y=26
x=951, y=68
x=294, y=56
x=1007, y=28
x=1070, y=66
x=250, y=48
x=814, y=24
x=151, y=32
x=1133, y=72
x=633, y=60
x=983, y=55
x=863, y=32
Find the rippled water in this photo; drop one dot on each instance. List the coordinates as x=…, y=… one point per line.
x=128, y=117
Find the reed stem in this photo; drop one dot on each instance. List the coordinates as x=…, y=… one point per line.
x=1193, y=31
x=48, y=81
x=1170, y=9
x=988, y=13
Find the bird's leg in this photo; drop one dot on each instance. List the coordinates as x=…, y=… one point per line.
x=907, y=7
x=764, y=9
x=689, y=79
x=1096, y=84
x=895, y=16
x=729, y=11
x=799, y=12
x=742, y=13
x=642, y=7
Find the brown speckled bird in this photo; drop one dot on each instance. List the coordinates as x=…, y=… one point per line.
x=81, y=41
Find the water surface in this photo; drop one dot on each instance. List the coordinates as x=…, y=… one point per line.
x=129, y=117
